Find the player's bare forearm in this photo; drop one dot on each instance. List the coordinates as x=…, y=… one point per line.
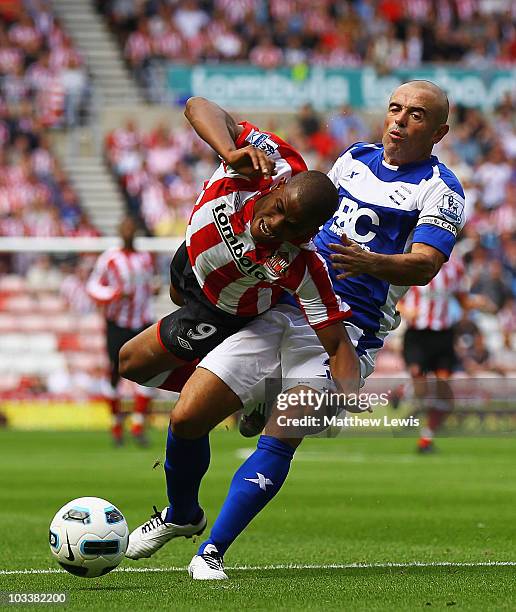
x=405, y=269
x=415, y=268
x=218, y=129
x=344, y=364
x=213, y=124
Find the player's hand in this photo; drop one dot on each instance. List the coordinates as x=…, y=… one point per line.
x=351, y=258
x=251, y=162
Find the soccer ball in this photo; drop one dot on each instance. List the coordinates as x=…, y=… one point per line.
x=88, y=536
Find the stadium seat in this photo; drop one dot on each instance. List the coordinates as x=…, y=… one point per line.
x=86, y=362
x=50, y=304
x=20, y=303
x=8, y=323
x=25, y=364
x=9, y=382
x=12, y=283
x=91, y=342
x=68, y=342
x=92, y=322
x=62, y=322
x=34, y=343
x=31, y=323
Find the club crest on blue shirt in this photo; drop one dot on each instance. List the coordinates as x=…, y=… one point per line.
x=451, y=208
x=277, y=264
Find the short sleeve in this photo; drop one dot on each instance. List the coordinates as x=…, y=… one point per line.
x=442, y=217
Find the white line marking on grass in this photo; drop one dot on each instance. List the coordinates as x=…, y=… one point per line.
x=288, y=566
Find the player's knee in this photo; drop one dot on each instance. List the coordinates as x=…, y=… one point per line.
x=184, y=425
x=126, y=363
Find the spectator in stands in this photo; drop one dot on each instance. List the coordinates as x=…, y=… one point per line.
x=494, y=282
x=42, y=276
x=74, y=82
x=35, y=197
x=138, y=47
x=347, y=127
x=474, y=356
x=266, y=54
x=308, y=120
x=493, y=176
x=507, y=318
x=36, y=64
x=74, y=289
x=190, y=18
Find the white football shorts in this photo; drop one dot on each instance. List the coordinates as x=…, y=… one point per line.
x=278, y=344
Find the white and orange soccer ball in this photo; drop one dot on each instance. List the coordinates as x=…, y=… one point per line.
x=88, y=536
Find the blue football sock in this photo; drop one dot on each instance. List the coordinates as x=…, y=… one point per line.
x=186, y=463
x=253, y=486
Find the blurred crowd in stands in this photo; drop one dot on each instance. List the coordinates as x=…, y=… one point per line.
x=36, y=197
x=271, y=33
x=41, y=72
x=161, y=173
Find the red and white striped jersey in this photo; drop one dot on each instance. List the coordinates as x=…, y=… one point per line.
x=236, y=274
x=431, y=306
x=122, y=281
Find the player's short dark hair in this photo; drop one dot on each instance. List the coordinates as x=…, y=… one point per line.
x=316, y=194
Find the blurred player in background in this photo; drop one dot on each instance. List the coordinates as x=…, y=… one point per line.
x=123, y=282
x=429, y=342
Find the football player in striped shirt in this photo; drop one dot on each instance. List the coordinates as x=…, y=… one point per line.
x=429, y=342
x=122, y=283
x=248, y=241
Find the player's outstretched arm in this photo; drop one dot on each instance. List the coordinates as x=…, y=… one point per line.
x=415, y=268
x=344, y=364
x=218, y=128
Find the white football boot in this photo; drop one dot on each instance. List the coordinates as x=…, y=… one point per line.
x=208, y=566
x=146, y=539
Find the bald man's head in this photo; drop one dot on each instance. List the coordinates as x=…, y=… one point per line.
x=415, y=122
x=442, y=105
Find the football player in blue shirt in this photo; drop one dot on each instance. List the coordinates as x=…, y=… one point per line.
x=399, y=215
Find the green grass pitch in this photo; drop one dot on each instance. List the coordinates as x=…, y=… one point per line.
x=369, y=501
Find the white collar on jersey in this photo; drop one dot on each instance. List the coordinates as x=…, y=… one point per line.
x=384, y=163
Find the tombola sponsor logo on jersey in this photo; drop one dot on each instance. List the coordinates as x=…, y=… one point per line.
x=235, y=246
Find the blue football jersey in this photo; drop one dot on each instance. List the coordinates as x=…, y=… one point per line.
x=385, y=209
